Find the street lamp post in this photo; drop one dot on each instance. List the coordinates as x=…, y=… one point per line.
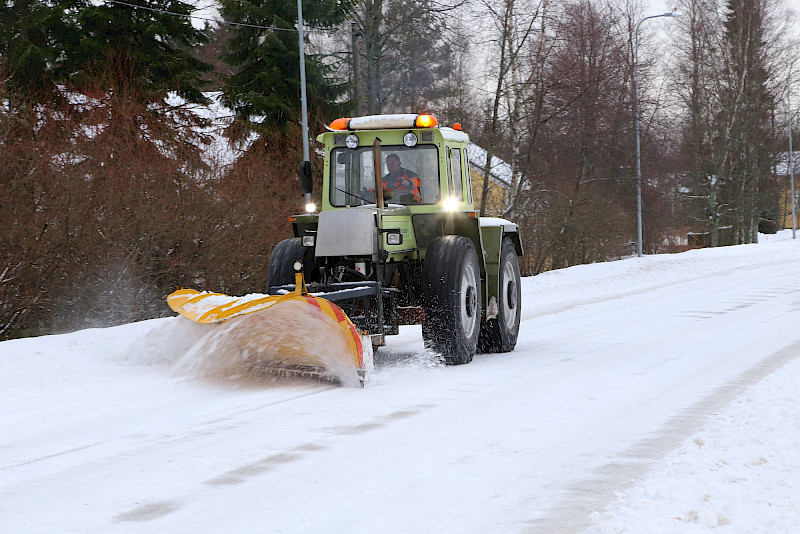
x=791, y=154
x=636, y=113
x=305, y=168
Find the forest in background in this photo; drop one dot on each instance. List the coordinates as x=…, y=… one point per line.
x=110, y=199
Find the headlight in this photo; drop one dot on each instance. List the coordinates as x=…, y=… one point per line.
x=311, y=207
x=394, y=238
x=450, y=204
x=351, y=141
x=308, y=240
x=410, y=139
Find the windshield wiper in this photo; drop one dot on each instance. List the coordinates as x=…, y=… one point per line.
x=354, y=195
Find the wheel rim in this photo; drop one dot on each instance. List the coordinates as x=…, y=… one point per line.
x=509, y=292
x=469, y=300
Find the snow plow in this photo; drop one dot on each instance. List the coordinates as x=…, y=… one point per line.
x=290, y=334
x=397, y=241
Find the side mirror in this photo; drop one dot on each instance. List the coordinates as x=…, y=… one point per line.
x=305, y=177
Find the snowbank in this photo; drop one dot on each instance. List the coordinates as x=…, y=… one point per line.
x=740, y=473
x=554, y=291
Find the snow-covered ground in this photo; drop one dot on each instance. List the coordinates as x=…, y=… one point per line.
x=647, y=395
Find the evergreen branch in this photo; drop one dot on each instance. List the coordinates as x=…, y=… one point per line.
x=216, y=21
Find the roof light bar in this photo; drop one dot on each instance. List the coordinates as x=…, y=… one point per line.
x=385, y=122
x=382, y=122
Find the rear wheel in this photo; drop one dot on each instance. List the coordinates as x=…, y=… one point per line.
x=500, y=334
x=452, y=299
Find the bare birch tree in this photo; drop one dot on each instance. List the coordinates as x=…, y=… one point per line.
x=513, y=27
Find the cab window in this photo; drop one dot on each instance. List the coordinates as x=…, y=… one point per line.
x=352, y=180
x=469, y=178
x=457, y=174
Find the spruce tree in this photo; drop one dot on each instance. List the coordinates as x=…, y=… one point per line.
x=33, y=37
x=418, y=59
x=265, y=90
x=144, y=52
x=406, y=61
x=140, y=52
x=747, y=105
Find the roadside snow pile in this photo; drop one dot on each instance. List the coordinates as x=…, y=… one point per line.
x=740, y=473
x=165, y=342
x=555, y=291
x=42, y=370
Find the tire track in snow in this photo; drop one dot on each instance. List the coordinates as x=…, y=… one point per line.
x=573, y=514
x=156, y=509
x=208, y=427
x=30, y=461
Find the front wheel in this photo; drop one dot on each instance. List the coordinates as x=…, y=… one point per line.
x=452, y=298
x=281, y=262
x=500, y=334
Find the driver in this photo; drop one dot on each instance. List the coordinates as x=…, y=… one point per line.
x=400, y=179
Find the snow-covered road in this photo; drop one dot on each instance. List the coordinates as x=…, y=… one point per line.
x=616, y=366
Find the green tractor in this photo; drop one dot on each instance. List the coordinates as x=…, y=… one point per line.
x=398, y=241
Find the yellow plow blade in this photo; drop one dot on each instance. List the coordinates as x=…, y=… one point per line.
x=295, y=333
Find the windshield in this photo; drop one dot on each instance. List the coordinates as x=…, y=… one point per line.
x=411, y=173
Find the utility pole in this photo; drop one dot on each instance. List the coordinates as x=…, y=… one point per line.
x=354, y=34
x=791, y=154
x=303, y=101
x=305, y=166
x=636, y=113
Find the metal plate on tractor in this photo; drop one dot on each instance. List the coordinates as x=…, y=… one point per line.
x=347, y=232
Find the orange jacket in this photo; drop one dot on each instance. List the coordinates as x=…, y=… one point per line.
x=405, y=180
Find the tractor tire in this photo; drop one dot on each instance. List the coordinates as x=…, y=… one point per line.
x=452, y=299
x=281, y=262
x=500, y=334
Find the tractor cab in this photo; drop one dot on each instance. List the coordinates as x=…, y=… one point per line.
x=403, y=159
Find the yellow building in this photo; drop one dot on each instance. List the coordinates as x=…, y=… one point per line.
x=500, y=179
